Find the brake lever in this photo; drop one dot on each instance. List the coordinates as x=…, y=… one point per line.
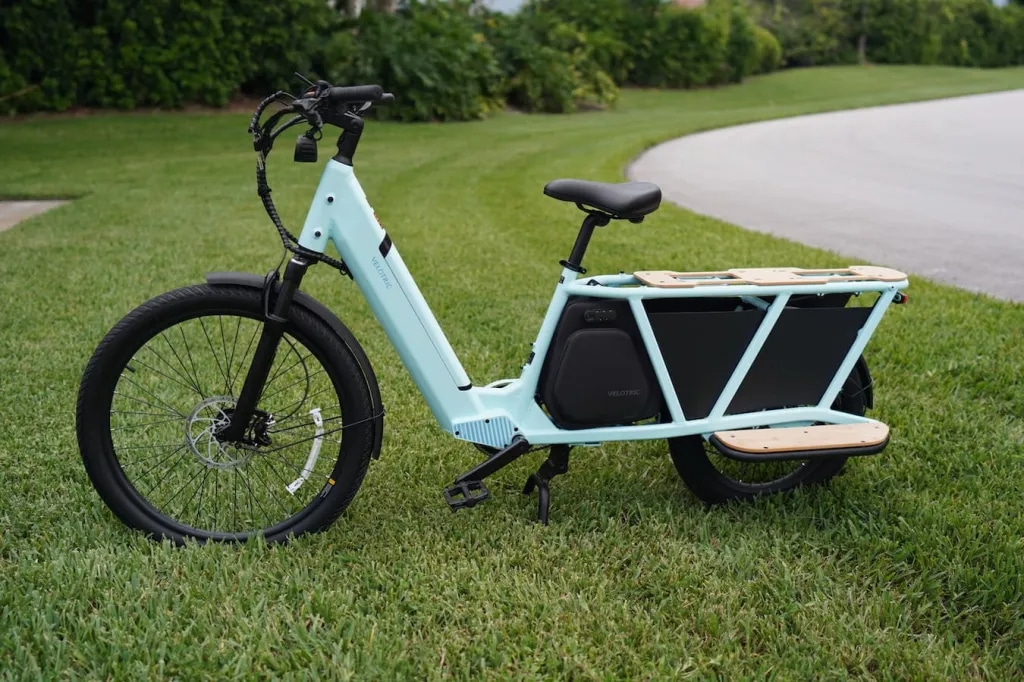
x=309, y=107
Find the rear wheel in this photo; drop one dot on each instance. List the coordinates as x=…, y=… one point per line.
x=715, y=478
x=165, y=379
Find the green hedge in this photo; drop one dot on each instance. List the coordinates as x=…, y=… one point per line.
x=430, y=54
x=973, y=33
x=446, y=60
x=660, y=44
x=619, y=31
x=56, y=54
x=453, y=59
x=549, y=65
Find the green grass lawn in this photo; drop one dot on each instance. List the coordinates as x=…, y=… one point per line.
x=911, y=565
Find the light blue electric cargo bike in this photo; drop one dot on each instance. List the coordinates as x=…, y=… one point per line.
x=243, y=407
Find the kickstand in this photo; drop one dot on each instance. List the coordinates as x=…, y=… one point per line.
x=556, y=463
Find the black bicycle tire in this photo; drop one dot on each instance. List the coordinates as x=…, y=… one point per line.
x=690, y=458
x=163, y=312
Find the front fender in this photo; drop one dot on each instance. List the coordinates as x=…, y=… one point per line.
x=315, y=307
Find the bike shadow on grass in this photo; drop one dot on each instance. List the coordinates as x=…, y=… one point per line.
x=636, y=488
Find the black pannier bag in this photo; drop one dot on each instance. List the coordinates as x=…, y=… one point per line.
x=597, y=372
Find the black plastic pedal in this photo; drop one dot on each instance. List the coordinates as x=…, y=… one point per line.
x=466, y=494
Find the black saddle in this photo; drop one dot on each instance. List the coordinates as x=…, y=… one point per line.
x=629, y=200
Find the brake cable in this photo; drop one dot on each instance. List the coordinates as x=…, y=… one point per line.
x=263, y=142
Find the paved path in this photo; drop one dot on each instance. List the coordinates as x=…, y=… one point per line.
x=13, y=212
x=932, y=188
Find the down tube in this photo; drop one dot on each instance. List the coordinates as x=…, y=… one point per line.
x=378, y=270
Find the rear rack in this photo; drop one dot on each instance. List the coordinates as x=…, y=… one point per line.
x=668, y=279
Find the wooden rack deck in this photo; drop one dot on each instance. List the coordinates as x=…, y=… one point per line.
x=768, y=276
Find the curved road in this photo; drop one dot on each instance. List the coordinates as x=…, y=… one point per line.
x=932, y=188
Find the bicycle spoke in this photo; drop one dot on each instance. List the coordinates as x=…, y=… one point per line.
x=146, y=447
x=167, y=504
x=216, y=500
x=189, y=383
x=161, y=480
x=150, y=458
x=234, y=341
x=206, y=474
x=150, y=394
x=191, y=361
x=143, y=402
x=213, y=352
x=154, y=369
x=272, y=379
x=303, y=440
x=252, y=339
x=281, y=478
x=305, y=380
x=276, y=498
x=227, y=367
x=199, y=507
x=163, y=421
x=252, y=497
x=193, y=377
x=304, y=424
x=298, y=468
x=145, y=414
x=305, y=399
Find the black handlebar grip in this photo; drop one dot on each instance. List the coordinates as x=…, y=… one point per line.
x=355, y=93
x=387, y=98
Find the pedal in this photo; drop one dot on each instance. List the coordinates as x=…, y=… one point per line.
x=466, y=494
x=802, y=442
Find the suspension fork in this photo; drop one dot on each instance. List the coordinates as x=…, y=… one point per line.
x=266, y=349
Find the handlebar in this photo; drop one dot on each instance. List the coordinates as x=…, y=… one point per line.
x=320, y=104
x=356, y=93
x=328, y=104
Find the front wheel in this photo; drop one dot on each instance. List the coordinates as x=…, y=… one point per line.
x=715, y=478
x=163, y=382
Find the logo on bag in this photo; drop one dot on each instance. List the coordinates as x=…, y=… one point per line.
x=624, y=393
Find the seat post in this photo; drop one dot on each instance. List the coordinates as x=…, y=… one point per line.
x=593, y=220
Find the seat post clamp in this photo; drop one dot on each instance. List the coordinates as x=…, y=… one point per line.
x=578, y=269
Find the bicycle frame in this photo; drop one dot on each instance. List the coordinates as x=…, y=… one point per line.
x=494, y=414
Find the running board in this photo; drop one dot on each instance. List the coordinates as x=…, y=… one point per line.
x=802, y=442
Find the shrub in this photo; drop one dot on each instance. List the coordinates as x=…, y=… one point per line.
x=894, y=31
x=543, y=81
x=548, y=66
x=654, y=43
x=769, y=52
x=966, y=28
x=158, y=53
x=972, y=33
x=39, y=42
x=616, y=30
x=741, y=46
x=687, y=49
x=811, y=32
x=430, y=54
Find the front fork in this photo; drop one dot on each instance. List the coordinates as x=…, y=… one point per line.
x=266, y=349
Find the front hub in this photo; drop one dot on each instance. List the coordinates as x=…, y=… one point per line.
x=209, y=419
